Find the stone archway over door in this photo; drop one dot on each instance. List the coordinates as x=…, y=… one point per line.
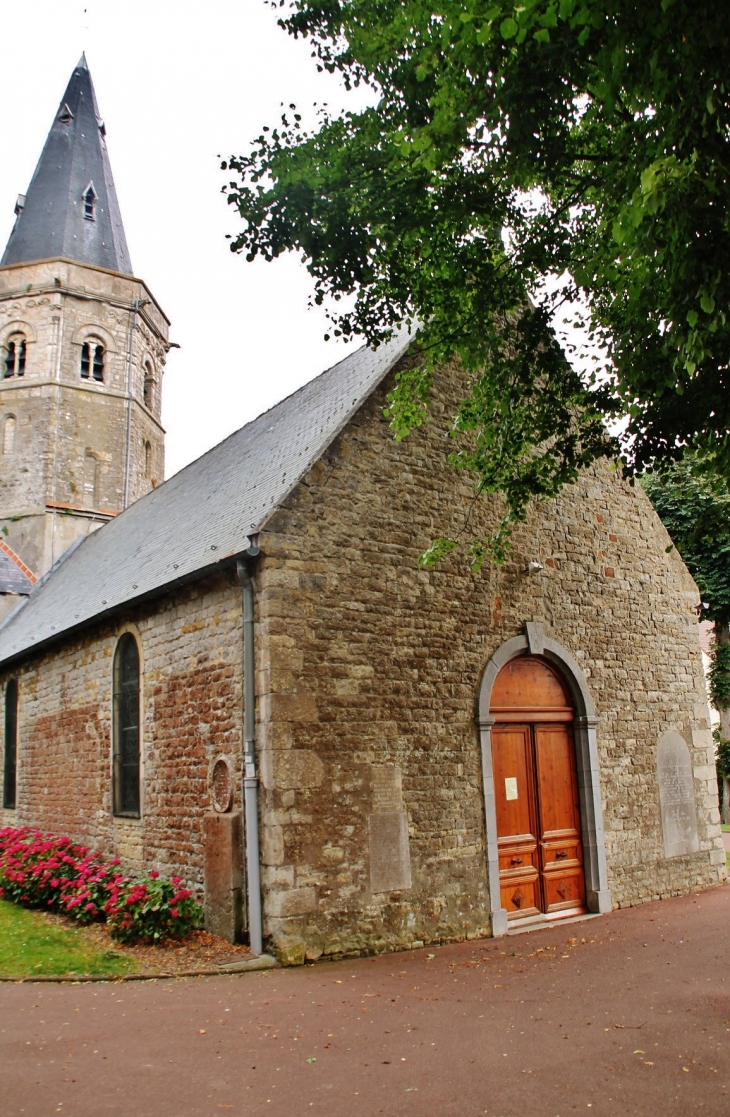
x=535, y=643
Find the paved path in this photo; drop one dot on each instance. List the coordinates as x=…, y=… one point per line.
x=624, y=1014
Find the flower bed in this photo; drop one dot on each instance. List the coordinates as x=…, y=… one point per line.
x=50, y=872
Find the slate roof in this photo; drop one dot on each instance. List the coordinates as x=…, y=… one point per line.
x=50, y=218
x=205, y=513
x=15, y=577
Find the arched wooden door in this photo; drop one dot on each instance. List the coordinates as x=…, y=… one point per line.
x=536, y=791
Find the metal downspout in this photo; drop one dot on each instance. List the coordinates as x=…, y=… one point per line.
x=250, y=777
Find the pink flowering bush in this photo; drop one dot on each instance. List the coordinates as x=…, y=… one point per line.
x=154, y=909
x=46, y=871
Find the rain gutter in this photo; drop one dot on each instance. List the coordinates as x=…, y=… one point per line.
x=250, y=775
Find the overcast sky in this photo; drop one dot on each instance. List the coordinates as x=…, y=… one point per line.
x=177, y=85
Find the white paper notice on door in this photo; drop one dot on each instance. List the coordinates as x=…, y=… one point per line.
x=510, y=787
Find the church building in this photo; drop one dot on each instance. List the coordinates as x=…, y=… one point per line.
x=244, y=677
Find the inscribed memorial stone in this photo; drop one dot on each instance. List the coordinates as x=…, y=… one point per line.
x=390, y=859
x=677, y=796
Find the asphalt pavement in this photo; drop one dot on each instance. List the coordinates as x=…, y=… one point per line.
x=627, y=1013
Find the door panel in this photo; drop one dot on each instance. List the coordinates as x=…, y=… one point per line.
x=514, y=785
x=538, y=819
x=561, y=849
x=513, y=778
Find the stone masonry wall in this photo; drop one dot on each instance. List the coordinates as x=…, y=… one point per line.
x=67, y=459
x=190, y=648
x=368, y=663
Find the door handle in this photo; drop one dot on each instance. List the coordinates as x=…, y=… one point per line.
x=516, y=860
x=561, y=855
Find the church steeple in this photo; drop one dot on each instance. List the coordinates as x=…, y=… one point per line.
x=71, y=207
x=83, y=345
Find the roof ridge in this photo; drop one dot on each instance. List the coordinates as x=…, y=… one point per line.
x=206, y=513
x=269, y=410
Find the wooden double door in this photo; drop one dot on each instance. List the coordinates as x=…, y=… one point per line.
x=536, y=790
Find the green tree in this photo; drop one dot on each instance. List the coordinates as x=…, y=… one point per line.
x=511, y=142
x=694, y=505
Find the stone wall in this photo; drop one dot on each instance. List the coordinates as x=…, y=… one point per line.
x=190, y=648
x=370, y=663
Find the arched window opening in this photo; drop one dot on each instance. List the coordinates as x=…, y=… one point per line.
x=15, y=357
x=126, y=789
x=10, y=765
x=149, y=386
x=9, y=424
x=89, y=202
x=92, y=361
x=147, y=459
x=91, y=480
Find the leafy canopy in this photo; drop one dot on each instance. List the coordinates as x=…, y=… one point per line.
x=580, y=139
x=694, y=505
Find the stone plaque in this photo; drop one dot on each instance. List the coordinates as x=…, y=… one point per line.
x=390, y=855
x=221, y=785
x=677, y=795
x=390, y=859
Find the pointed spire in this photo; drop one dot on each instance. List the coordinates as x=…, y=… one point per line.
x=59, y=215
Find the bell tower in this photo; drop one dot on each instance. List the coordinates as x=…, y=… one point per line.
x=83, y=345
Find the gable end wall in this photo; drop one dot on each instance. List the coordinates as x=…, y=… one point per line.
x=369, y=663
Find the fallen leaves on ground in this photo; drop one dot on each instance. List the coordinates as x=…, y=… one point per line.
x=197, y=951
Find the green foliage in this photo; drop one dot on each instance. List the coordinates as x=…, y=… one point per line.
x=694, y=505
x=154, y=909
x=722, y=758
x=596, y=133
x=720, y=677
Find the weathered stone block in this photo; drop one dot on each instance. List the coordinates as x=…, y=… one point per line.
x=295, y=768
x=223, y=875
x=677, y=795
x=297, y=901
x=300, y=707
x=390, y=861
x=290, y=953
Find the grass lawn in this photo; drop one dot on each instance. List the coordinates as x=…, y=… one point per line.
x=30, y=945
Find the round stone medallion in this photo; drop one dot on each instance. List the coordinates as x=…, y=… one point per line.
x=221, y=785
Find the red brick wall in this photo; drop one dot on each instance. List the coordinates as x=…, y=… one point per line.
x=190, y=646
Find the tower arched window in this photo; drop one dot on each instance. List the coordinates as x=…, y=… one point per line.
x=147, y=459
x=8, y=434
x=10, y=758
x=149, y=386
x=89, y=202
x=126, y=779
x=92, y=361
x=15, y=351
